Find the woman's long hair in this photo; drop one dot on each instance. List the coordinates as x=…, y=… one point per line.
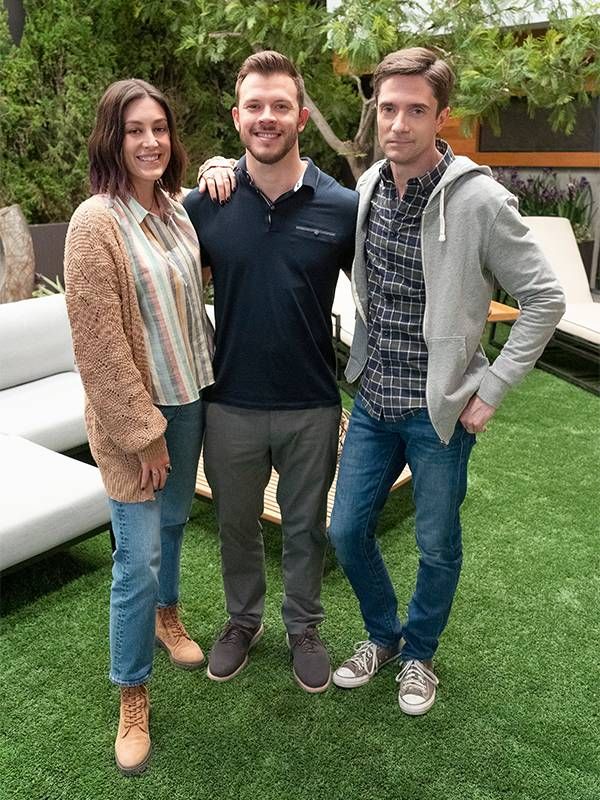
x=108, y=173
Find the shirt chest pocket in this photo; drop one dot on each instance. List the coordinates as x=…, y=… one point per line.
x=316, y=234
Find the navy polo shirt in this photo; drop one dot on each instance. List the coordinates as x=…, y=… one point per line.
x=275, y=267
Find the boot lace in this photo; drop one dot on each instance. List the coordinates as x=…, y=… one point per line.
x=415, y=678
x=134, y=706
x=173, y=624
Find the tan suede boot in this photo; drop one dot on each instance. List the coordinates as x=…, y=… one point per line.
x=173, y=637
x=132, y=746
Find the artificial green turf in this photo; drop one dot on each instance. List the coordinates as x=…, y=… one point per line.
x=517, y=715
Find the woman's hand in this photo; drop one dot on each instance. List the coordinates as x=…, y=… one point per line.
x=217, y=176
x=155, y=471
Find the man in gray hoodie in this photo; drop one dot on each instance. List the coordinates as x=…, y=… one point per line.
x=434, y=232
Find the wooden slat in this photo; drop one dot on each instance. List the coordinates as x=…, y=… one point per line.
x=468, y=146
x=499, y=312
x=271, y=510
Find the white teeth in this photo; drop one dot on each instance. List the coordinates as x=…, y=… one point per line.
x=148, y=158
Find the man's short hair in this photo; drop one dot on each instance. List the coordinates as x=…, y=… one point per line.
x=417, y=61
x=270, y=62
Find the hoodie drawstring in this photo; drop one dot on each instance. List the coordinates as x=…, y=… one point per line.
x=442, y=236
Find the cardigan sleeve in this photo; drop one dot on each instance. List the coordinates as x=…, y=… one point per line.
x=94, y=259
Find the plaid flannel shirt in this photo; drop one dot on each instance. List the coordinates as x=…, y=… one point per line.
x=394, y=381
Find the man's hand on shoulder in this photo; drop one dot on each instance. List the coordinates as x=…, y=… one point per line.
x=217, y=176
x=476, y=414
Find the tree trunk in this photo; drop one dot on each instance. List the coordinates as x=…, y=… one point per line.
x=17, y=262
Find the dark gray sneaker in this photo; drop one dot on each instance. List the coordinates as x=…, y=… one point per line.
x=416, y=693
x=229, y=654
x=311, y=667
x=366, y=662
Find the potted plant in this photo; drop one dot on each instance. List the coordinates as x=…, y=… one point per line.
x=542, y=196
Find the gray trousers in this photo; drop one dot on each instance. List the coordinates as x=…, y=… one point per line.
x=240, y=448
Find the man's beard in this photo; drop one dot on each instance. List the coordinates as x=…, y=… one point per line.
x=286, y=142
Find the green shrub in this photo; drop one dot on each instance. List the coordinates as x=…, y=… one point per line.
x=50, y=85
x=49, y=90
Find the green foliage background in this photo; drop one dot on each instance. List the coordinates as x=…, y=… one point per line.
x=191, y=49
x=70, y=52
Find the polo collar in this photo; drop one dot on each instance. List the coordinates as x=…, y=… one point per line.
x=310, y=178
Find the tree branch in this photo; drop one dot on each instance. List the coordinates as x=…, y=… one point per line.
x=340, y=147
x=365, y=129
x=345, y=149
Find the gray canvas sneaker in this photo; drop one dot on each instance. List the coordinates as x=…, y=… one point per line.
x=366, y=662
x=311, y=666
x=416, y=693
x=229, y=654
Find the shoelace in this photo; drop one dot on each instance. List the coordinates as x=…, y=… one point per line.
x=308, y=641
x=415, y=678
x=232, y=634
x=365, y=658
x=174, y=625
x=134, y=703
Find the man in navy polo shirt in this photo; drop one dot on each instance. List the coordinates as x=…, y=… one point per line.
x=275, y=251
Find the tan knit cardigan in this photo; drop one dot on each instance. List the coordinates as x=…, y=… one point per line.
x=123, y=424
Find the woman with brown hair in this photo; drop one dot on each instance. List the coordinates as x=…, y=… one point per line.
x=143, y=346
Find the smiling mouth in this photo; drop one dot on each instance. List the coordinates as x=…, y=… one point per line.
x=149, y=159
x=267, y=135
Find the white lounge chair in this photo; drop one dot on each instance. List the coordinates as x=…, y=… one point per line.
x=555, y=237
x=578, y=333
x=47, y=499
x=344, y=312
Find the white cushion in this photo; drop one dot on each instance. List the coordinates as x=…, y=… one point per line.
x=582, y=320
x=344, y=307
x=557, y=240
x=48, y=411
x=47, y=500
x=35, y=340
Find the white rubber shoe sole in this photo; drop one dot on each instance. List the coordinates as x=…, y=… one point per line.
x=353, y=681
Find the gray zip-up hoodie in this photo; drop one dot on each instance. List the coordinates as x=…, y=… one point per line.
x=471, y=234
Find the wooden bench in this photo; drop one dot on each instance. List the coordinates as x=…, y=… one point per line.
x=271, y=510
x=499, y=312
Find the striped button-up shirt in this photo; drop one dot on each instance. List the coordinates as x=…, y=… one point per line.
x=165, y=260
x=395, y=376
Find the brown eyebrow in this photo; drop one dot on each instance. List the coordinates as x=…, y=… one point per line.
x=139, y=122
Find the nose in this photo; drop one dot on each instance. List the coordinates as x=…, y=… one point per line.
x=400, y=122
x=267, y=114
x=150, y=139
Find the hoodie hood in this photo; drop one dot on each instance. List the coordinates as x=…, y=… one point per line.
x=457, y=169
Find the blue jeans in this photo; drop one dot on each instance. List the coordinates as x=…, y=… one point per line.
x=375, y=453
x=148, y=536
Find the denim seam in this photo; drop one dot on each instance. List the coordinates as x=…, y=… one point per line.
x=454, y=510
x=119, y=633
x=388, y=620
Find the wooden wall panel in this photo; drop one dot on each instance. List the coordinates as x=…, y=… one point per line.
x=467, y=146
